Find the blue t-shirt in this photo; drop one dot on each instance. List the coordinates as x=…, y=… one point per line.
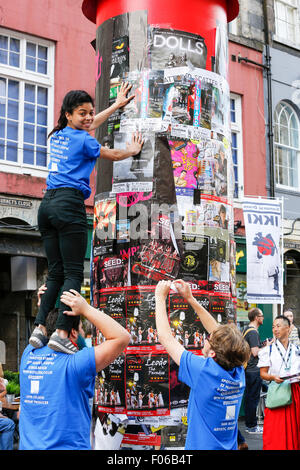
x=55, y=392
x=214, y=402
x=73, y=154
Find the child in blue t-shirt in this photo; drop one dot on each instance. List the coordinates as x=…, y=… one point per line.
x=216, y=379
x=62, y=215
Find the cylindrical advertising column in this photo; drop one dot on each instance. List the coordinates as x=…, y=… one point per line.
x=167, y=213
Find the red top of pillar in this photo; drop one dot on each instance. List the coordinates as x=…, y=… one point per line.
x=89, y=9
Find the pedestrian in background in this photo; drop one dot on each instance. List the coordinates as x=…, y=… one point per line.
x=7, y=426
x=294, y=331
x=252, y=373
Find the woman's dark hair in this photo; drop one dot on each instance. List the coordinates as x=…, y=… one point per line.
x=284, y=319
x=72, y=100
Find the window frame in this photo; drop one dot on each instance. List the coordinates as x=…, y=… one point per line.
x=237, y=128
x=24, y=76
x=293, y=4
x=287, y=147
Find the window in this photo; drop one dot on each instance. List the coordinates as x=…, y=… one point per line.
x=26, y=102
x=287, y=21
x=237, y=144
x=286, y=146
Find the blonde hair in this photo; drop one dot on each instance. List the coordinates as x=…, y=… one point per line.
x=230, y=347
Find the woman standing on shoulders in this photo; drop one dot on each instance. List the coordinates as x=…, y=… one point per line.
x=62, y=215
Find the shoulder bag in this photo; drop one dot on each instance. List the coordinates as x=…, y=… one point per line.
x=278, y=394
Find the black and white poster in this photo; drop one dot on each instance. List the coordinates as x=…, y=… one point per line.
x=171, y=48
x=120, y=57
x=146, y=111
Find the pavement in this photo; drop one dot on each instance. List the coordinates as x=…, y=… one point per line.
x=254, y=441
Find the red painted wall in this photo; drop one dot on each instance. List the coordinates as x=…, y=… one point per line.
x=63, y=22
x=247, y=80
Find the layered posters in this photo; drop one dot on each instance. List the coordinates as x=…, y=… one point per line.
x=186, y=106
x=146, y=112
x=264, y=252
x=213, y=212
x=198, y=100
x=140, y=315
x=187, y=103
x=200, y=164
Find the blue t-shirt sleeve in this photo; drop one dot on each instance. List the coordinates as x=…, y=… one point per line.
x=91, y=147
x=85, y=365
x=190, y=367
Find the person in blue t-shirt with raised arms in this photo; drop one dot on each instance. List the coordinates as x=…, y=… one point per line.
x=216, y=379
x=62, y=215
x=56, y=388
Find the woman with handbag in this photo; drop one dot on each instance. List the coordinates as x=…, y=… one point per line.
x=279, y=364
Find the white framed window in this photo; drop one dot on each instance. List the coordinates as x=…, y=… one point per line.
x=287, y=18
x=26, y=102
x=237, y=144
x=232, y=27
x=286, y=146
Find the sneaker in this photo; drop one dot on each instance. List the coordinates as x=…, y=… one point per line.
x=37, y=338
x=255, y=430
x=63, y=345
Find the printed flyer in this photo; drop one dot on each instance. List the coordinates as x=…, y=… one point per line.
x=134, y=174
x=169, y=48
x=140, y=316
x=113, y=303
x=155, y=260
x=218, y=307
x=185, y=165
x=185, y=324
x=194, y=259
x=110, y=270
x=212, y=167
x=110, y=389
x=120, y=57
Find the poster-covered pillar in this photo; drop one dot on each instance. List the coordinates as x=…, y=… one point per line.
x=167, y=213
